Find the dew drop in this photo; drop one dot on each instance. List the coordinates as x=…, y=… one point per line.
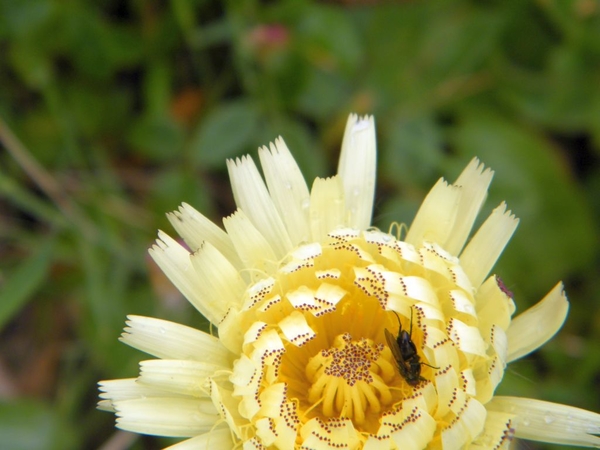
x=548, y=419
x=526, y=422
x=306, y=203
x=161, y=330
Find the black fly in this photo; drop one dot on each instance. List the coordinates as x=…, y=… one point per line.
x=405, y=353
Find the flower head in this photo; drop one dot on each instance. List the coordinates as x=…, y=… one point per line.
x=333, y=334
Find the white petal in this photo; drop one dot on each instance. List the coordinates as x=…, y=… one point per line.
x=474, y=182
x=216, y=438
x=252, y=197
x=357, y=169
x=436, y=216
x=532, y=328
x=195, y=228
x=481, y=253
x=218, y=281
x=254, y=250
x=174, y=261
x=175, y=417
x=178, y=376
x=550, y=422
x=327, y=208
x=288, y=189
x=169, y=340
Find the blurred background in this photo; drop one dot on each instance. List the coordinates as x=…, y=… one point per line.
x=113, y=112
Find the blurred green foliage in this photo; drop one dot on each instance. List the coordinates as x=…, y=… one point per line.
x=127, y=108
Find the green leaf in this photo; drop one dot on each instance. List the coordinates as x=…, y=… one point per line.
x=23, y=18
x=28, y=425
x=414, y=150
x=159, y=138
x=23, y=198
x=225, y=133
x=556, y=236
x=329, y=38
x=24, y=281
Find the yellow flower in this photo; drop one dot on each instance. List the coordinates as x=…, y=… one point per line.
x=333, y=334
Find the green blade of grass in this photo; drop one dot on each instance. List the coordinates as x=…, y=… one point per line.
x=24, y=281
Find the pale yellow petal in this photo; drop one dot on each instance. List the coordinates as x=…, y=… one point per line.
x=178, y=376
x=174, y=261
x=174, y=417
x=256, y=253
x=280, y=423
x=550, y=422
x=357, y=170
x=467, y=338
x=532, y=328
x=494, y=306
x=219, y=283
x=436, y=216
x=446, y=381
x=468, y=423
x=195, y=228
x=415, y=429
x=474, y=182
x=288, y=189
x=327, y=207
x=126, y=389
x=336, y=433
x=296, y=330
x=482, y=252
x=226, y=405
x=230, y=333
x=252, y=197
x=217, y=438
x=169, y=340
x=498, y=432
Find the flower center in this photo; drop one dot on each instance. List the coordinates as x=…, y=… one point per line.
x=350, y=379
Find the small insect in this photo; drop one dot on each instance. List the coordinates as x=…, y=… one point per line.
x=405, y=353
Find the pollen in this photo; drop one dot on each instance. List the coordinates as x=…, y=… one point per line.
x=347, y=380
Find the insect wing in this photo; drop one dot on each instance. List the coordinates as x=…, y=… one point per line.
x=407, y=346
x=394, y=347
